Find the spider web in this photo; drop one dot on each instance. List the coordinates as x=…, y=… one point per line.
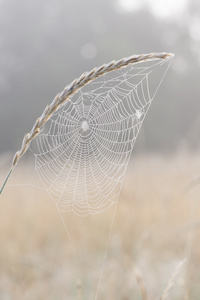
x=81, y=156
x=83, y=151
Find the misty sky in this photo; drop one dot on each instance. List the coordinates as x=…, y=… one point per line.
x=44, y=45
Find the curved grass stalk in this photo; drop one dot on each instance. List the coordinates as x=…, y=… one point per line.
x=70, y=90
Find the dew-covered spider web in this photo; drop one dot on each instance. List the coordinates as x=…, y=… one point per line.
x=82, y=154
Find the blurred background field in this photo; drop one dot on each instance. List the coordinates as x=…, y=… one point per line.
x=44, y=45
x=155, y=228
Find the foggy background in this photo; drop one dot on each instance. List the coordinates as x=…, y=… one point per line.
x=44, y=45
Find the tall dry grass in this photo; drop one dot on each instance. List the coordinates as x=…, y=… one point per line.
x=156, y=227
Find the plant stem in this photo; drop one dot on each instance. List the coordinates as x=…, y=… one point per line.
x=6, y=180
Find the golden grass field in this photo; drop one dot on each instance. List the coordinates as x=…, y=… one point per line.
x=154, y=249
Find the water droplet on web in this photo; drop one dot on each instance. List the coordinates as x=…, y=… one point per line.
x=85, y=126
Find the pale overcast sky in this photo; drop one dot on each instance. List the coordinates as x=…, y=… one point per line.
x=161, y=8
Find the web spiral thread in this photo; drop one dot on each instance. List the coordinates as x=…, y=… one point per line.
x=82, y=153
